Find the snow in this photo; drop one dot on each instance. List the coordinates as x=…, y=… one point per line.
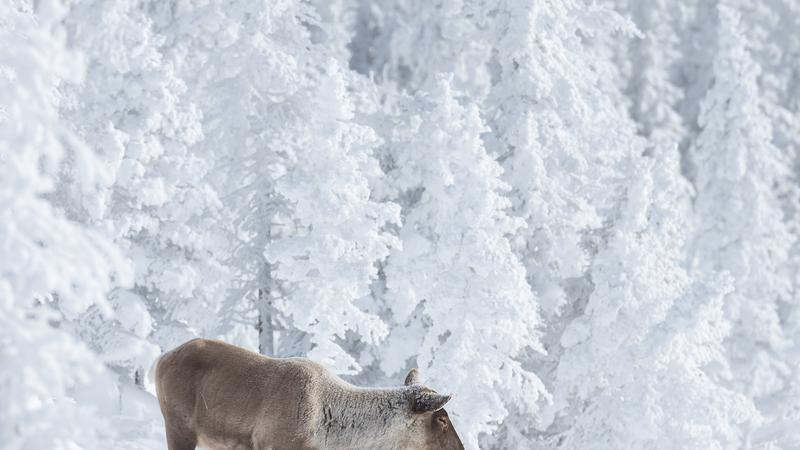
x=139, y=423
x=579, y=217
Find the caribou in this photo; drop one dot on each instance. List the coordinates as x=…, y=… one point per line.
x=222, y=397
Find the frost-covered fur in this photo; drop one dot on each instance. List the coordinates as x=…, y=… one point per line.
x=223, y=397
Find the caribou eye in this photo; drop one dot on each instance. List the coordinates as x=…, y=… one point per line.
x=442, y=421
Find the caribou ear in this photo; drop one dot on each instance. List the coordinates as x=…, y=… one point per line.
x=413, y=377
x=428, y=401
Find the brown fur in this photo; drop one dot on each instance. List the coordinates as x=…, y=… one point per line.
x=222, y=397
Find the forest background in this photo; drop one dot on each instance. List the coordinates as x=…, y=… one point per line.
x=580, y=216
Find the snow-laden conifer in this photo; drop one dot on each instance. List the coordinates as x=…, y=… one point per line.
x=654, y=85
x=636, y=359
x=406, y=44
x=557, y=137
x=741, y=228
x=51, y=268
x=456, y=290
x=326, y=256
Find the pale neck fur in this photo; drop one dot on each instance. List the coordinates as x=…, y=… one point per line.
x=354, y=417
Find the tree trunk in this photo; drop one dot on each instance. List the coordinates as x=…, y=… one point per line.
x=266, y=326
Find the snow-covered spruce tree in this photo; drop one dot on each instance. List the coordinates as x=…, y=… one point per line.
x=290, y=167
x=334, y=26
x=404, y=44
x=242, y=64
x=51, y=268
x=325, y=258
x=155, y=202
x=457, y=293
x=771, y=39
x=549, y=128
x=741, y=228
x=557, y=138
x=669, y=70
x=632, y=372
x=769, y=28
x=654, y=57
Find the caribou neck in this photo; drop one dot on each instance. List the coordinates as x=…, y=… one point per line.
x=352, y=414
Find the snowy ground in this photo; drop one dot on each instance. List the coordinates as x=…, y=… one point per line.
x=139, y=423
